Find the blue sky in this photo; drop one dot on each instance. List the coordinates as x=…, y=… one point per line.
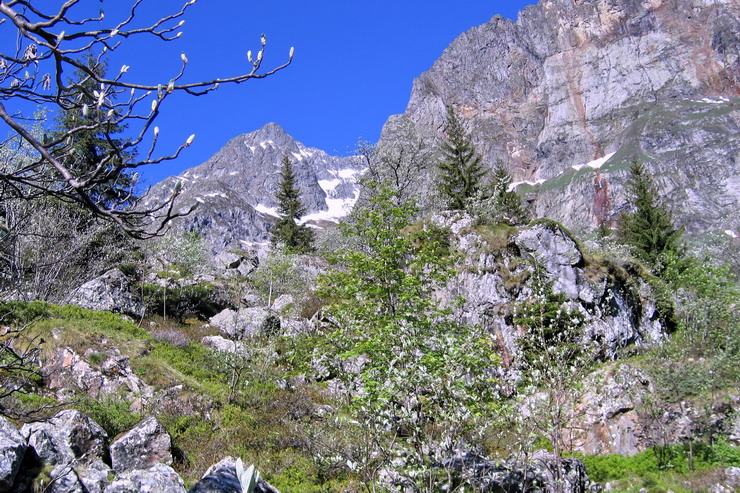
x=354, y=65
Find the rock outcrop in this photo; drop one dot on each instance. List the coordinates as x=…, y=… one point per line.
x=69, y=438
x=69, y=453
x=572, y=92
x=12, y=449
x=494, y=274
x=110, y=292
x=142, y=447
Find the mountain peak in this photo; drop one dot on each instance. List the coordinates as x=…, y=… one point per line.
x=270, y=133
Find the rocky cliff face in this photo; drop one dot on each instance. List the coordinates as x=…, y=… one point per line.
x=574, y=91
x=236, y=188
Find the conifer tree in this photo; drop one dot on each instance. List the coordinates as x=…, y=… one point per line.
x=460, y=169
x=649, y=228
x=507, y=203
x=295, y=237
x=95, y=141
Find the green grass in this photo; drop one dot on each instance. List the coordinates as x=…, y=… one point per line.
x=660, y=469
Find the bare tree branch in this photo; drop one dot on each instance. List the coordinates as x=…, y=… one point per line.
x=49, y=46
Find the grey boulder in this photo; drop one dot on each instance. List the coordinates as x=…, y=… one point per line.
x=12, y=450
x=144, y=446
x=221, y=478
x=159, y=478
x=69, y=438
x=109, y=292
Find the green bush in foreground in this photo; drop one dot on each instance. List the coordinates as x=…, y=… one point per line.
x=646, y=464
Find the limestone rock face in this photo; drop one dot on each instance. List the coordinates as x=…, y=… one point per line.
x=599, y=83
x=145, y=446
x=12, y=449
x=109, y=292
x=236, y=188
x=608, y=418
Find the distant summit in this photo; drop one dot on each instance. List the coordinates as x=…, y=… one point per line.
x=236, y=187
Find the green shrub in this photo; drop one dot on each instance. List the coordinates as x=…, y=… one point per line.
x=653, y=462
x=113, y=414
x=22, y=312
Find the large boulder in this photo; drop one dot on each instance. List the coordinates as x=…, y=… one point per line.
x=221, y=478
x=232, y=264
x=109, y=292
x=12, y=450
x=68, y=438
x=159, y=478
x=246, y=322
x=144, y=446
x=223, y=345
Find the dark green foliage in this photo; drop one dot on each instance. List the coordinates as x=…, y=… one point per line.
x=507, y=203
x=94, y=143
x=178, y=301
x=113, y=414
x=460, y=168
x=295, y=237
x=649, y=228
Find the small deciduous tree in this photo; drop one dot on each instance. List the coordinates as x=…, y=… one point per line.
x=649, y=228
x=287, y=231
x=555, y=360
x=422, y=378
x=460, y=168
x=402, y=164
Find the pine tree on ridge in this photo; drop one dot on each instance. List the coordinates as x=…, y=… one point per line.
x=295, y=237
x=460, y=168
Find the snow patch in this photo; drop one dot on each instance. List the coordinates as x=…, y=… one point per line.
x=329, y=185
x=266, y=143
x=233, y=173
x=198, y=199
x=216, y=194
x=347, y=173
x=338, y=208
x=595, y=164
x=719, y=100
x=730, y=233
x=270, y=211
x=515, y=184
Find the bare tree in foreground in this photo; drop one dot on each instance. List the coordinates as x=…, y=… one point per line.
x=49, y=49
